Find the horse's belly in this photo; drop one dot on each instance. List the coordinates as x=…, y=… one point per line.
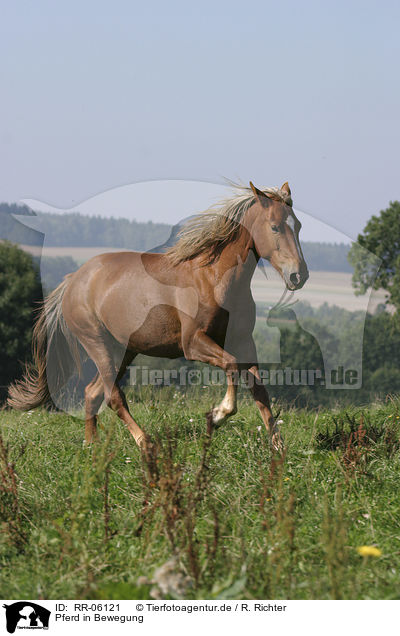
x=159, y=335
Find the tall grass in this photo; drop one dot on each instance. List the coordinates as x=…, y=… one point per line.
x=203, y=514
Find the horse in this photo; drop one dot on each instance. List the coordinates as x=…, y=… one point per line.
x=194, y=300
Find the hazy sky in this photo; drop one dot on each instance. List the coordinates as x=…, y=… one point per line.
x=101, y=94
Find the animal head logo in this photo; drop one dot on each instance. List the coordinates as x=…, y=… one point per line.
x=26, y=615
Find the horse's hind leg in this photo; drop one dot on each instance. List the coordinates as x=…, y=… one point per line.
x=261, y=399
x=94, y=395
x=116, y=400
x=102, y=356
x=260, y=394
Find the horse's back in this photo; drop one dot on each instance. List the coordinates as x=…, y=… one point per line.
x=127, y=291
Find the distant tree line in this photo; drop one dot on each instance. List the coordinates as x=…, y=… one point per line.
x=78, y=230
x=327, y=257
x=12, y=230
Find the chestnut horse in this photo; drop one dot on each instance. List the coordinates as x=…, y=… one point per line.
x=193, y=301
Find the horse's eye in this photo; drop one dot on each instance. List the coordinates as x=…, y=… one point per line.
x=275, y=228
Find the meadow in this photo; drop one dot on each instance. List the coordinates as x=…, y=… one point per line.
x=201, y=517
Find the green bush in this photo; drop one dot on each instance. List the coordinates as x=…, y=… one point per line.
x=20, y=292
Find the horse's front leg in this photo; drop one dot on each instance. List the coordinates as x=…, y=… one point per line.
x=204, y=349
x=261, y=397
x=228, y=406
x=246, y=350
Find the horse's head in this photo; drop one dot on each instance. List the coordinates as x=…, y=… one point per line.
x=275, y=231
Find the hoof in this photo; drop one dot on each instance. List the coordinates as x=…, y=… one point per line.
x=214, y=420
x=217, y=416
x=277, y=443
x=144, y=443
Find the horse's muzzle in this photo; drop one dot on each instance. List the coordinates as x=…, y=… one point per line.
x=296, y=280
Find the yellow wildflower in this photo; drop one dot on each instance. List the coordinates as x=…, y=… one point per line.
x=369, y=550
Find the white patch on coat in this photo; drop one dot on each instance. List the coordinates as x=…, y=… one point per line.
x=291, y=224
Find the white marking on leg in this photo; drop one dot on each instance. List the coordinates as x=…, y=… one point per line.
x=226, y=408
x=276, y=438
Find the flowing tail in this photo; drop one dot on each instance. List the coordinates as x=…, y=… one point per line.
x=55, y=354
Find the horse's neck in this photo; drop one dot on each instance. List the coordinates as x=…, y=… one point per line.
x=237, y=261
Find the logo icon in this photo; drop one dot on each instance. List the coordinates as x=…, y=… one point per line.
x=26, y=615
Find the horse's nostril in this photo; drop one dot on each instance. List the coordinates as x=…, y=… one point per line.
x=295, y=278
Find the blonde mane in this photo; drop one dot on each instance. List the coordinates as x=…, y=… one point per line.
x=212, y=229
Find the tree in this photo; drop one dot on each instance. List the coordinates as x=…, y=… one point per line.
x=379, y=240
x=20, y=291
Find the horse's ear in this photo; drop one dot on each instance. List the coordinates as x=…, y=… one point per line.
x=285, y=188
x=258, y=193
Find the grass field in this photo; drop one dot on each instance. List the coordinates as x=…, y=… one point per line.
x=229, y=519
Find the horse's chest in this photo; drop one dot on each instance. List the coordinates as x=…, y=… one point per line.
x=238, y=321
x=227, y=310
x=217, y=325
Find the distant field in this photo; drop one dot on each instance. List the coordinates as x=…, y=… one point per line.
x=79, y=254
x=332, y=287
